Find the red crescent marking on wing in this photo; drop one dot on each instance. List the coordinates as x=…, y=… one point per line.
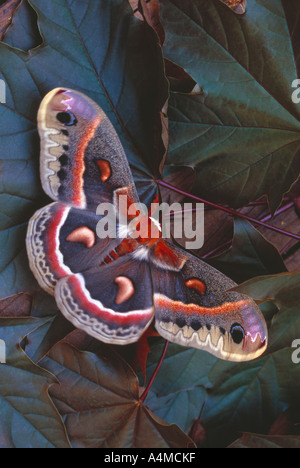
x=121, y=319
x=79, y=167
x=105, y=169
x=196, y=284
x=177, y=306
x=126, y=289
x=52, y=242
x=84, y=235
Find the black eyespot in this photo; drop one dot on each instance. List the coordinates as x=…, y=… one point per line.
x=62, y=174
x=66, y=118
x=237, y=333
x=196, y=324
x=180, y=322
x=63, y=160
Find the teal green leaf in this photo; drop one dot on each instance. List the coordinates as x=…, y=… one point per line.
x=291, y=13
x=182, y=382
x=229, y=398
x=251, y=255
x=15, y=275
x=98, y=396
x=54, y=327
x=248, y=398
x=241, y=135
x=28, y=416
x=23, y=33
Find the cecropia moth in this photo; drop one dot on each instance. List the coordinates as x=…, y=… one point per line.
x=113, y=288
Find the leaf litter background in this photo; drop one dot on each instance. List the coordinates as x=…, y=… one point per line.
x=232, y=138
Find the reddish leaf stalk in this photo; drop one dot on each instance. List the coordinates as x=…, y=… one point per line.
x=278, y=212
x=288, y=246
x=217, y=249
x=227, y=210
x=153, y=377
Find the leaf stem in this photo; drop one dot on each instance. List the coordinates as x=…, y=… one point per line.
x=217, y=249
x=288, y=246
x=281, y=210
x=146, y=391
x=227, y=210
